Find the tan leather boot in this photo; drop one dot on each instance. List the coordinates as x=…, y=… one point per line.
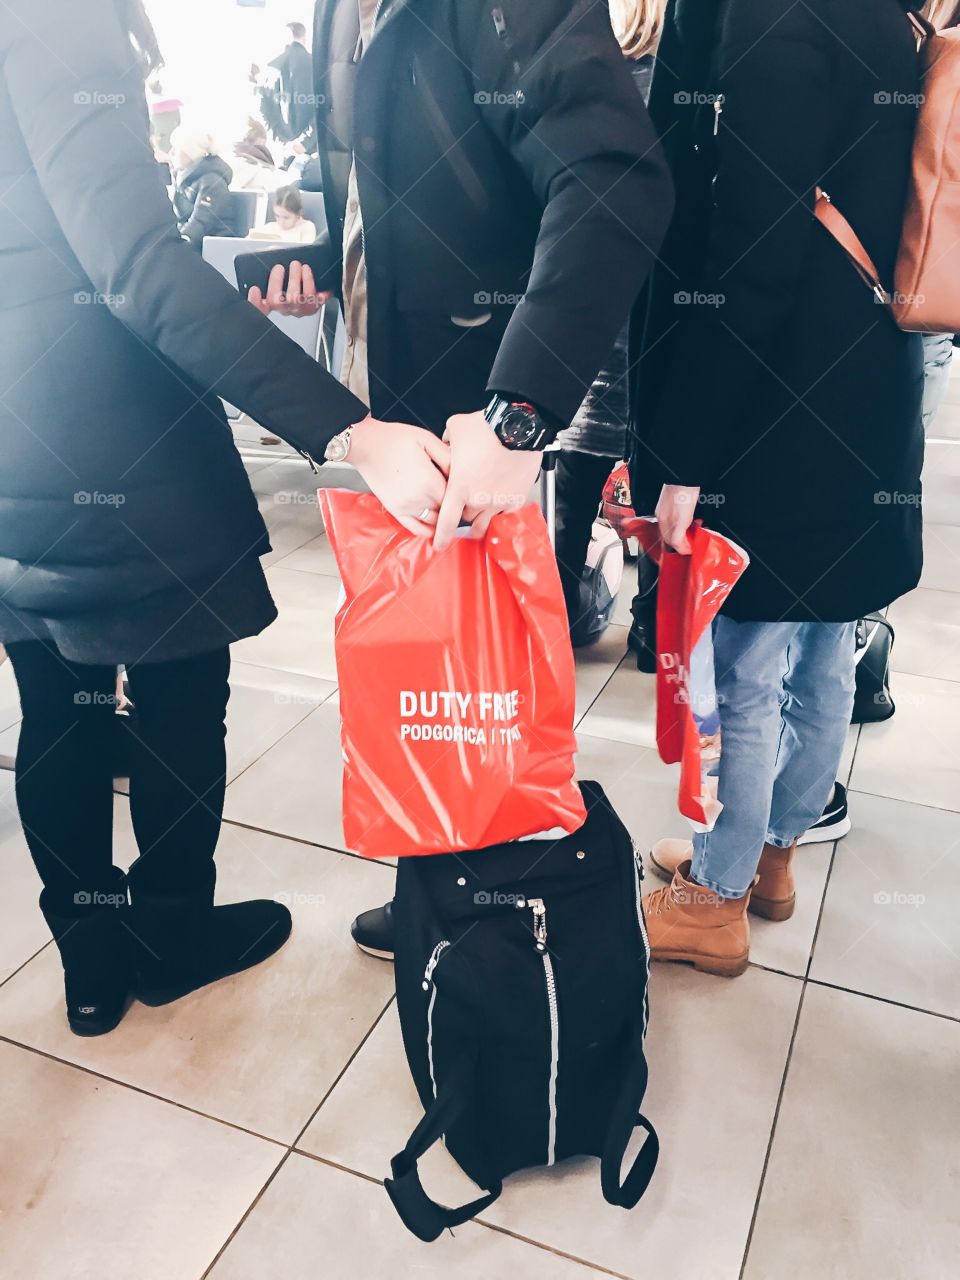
x=691, y=924
x=774, y=896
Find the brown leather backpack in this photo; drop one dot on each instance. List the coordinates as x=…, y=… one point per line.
x=926, y=296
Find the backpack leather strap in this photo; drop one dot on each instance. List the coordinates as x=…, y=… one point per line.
x=425, y=1217
x=625, y=1118
x=830, y=217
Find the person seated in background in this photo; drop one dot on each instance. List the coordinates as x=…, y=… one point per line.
x=202, y=178
x=254, y=168
x=253, y=145
x=288, y=222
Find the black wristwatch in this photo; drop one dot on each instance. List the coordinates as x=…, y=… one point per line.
x=518, y=424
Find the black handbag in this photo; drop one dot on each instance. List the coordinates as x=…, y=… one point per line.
x=872, y=701
x=521, y=977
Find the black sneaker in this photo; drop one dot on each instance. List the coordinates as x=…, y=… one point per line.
x=372, y=931
x=835, y=822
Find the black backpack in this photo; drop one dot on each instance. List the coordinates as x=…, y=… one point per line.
x=522, y=991
x=873, y=700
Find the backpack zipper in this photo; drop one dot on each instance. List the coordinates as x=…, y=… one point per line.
x=638, y=880
x=431, y=986
x=539, y=909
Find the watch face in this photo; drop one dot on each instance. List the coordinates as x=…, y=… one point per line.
x=518, y=428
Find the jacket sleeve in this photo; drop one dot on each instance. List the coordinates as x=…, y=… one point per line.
x=79, y=100
x=210, y=209
x=774, y=73
x=551, y=82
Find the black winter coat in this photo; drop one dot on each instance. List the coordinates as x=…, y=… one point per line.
x=202, y=201
x=768, y=375
x=115, y=341
x=503, y=154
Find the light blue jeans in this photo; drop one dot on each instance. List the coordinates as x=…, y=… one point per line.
x=785, y=692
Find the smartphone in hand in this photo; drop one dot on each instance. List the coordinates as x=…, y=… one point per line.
x=253, y=269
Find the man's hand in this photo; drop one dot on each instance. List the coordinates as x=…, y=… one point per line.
x=301, y=297
x=675, y=512
x=405, y=466
x=484, y=478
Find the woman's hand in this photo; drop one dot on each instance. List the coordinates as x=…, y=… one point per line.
x=675, y=512
x=406, y=467
x=484, y=477
x=301, y=297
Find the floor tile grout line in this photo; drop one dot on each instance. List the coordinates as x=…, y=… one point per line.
x=346, y=1067
x=246, y=1214
x=309, y=844
x=479, y=1222
x=773, y=1131
x=28, y=960
x=135, y=1088
x=266, y=751
x=578, y=720
x=887, y=1000
x=919, y=804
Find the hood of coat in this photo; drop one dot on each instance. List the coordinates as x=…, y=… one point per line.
x=206, y=165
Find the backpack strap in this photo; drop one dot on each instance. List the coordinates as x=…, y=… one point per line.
x=830, y=217
x=425, y=1217
x=626, y=1117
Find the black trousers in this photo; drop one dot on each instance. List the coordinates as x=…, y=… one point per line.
x=64, y=778
x=580, y=481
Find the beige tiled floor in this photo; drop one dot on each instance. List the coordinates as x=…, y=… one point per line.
x=808, y=1111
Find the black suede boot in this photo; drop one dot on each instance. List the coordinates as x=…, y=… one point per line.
x=94, y=947
x=182, y=941
x=642, y=639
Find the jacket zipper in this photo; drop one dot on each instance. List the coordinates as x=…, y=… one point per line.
x=431, y=986
x=717, y=113
x=539, y=909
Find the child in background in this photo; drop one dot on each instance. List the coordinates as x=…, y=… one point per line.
x=288, y=221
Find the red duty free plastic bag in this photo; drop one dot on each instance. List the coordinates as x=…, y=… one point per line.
x=691, y=591
x=456, y=683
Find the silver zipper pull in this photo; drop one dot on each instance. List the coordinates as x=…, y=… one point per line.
x=717, y=113
x=538, y=907
x=432, y=963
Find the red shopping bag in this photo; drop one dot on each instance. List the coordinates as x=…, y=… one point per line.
x=456, y=683
x=691, y=591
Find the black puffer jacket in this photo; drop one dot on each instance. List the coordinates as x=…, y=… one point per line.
x=118, y=473
x=768, y=375
x=202, y=201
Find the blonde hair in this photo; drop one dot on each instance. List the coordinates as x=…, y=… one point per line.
x=637, y=25
x=194, y=143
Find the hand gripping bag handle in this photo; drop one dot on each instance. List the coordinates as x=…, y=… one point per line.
x=625, y=1118
x=426, y=1218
